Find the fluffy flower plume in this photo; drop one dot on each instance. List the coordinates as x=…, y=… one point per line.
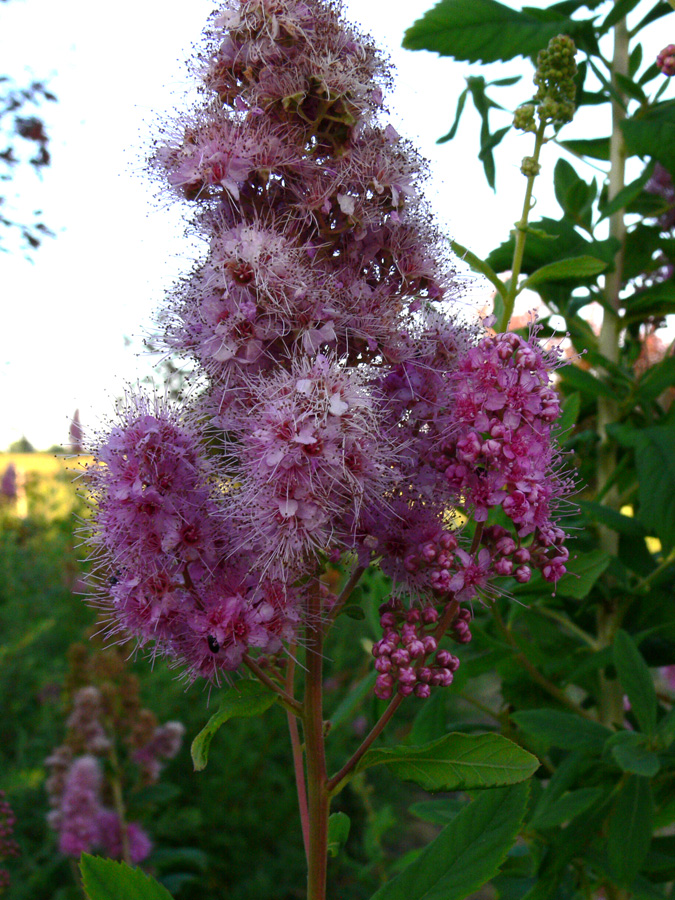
x=341, y=404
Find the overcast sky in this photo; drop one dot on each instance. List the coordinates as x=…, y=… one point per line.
x=72, y=319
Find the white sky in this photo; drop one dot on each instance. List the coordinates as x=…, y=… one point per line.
x=67, y=317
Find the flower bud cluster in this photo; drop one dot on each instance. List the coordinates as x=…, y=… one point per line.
x=666, y=60
x=554, y=78
x=407, y=657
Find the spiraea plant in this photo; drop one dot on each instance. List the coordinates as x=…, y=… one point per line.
x=113, y=748
x=347, y=410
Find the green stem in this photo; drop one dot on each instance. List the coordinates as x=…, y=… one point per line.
x=289, y=703
x=568, y=624
x=611, y=695
x=534, y=673
x=345, y=594
x=118, y=802
x=647, y=581
x=318, y=801
x=521, y=235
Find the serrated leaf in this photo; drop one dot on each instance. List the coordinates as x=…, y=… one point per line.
x=636, y=680
x=631, y=754
x=582, y=573
x=563, y=729
x=467, y=853
x=576, y=267
x=456, y=762
x=338, y=832
x=245, y=699
x=483, y=30
x=566, y=808
x=630, y=829
x=106, y=879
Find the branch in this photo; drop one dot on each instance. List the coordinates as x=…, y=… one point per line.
x=289, y=703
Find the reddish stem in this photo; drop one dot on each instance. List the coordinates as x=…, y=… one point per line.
x=317, y=796
x=297, y=755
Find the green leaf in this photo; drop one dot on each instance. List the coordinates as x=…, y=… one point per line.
x=585, y=382
x=636, y=680
x=354, y=698
x=655, y=460
x=665, y=732
x=106, y=879
x=458, y=115
x=577, y=267
x=456, y=762
x=338, y=832
x=657, y=300
x=244, y=699
x=566, y=808
x=479, y=265
x=657, y=379
x=596, y=148
x=627, y=195
x=629, y=750
x=354, y=612
x=630, y=829
x=612, y=519
x=621, y=9
x=467, y=853
x=582, y=573
x=438, y=812
x=651, y=133
x=569, y=415
x=563, y=729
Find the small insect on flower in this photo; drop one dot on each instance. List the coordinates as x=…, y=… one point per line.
x=214, y=646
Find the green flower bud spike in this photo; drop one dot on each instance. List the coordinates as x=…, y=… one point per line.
x=553, y=104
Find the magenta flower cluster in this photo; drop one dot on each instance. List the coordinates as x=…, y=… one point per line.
x=341, y=408
x=665, y=60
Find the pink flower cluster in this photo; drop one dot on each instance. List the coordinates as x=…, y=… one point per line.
x=340, y=406
x=666, y=60
x=83, y=822
x=160, y=524
x=80, y=796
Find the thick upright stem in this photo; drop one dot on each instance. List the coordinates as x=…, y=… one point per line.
x=317, y=795
x=611, y=698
